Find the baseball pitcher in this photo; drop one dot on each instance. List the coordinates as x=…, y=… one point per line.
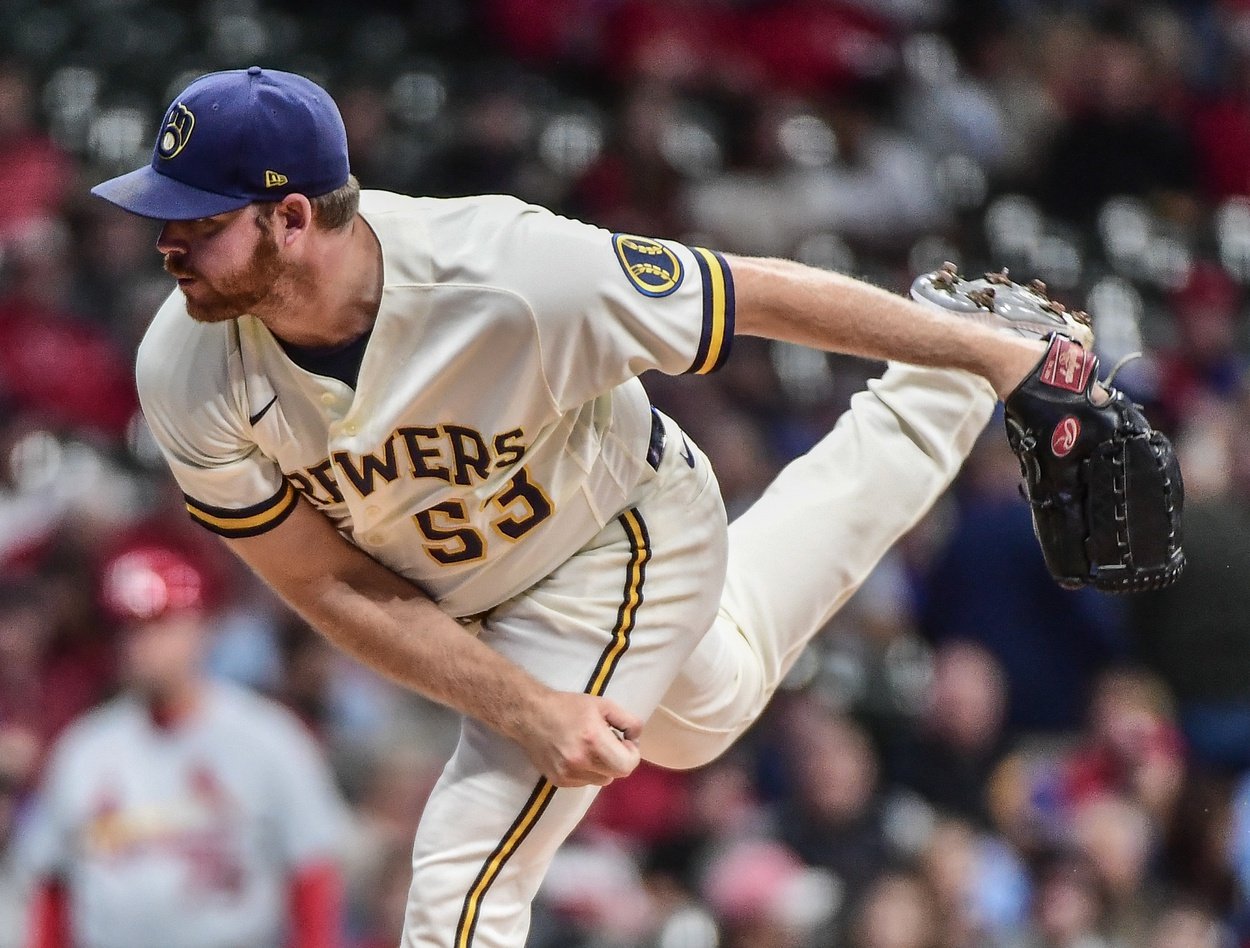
x=420, y=422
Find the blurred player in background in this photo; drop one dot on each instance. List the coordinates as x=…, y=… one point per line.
x=185, y=813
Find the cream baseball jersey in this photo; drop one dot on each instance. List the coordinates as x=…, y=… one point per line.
x=496, y=424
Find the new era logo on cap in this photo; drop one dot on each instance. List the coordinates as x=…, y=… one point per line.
x=222, y=139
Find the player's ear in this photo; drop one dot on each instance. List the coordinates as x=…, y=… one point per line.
x=293, y=216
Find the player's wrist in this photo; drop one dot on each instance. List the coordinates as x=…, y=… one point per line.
x=1014, y=361
x=527, y=712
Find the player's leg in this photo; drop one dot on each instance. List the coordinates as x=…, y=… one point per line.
x=619, y=618
x=800, y=551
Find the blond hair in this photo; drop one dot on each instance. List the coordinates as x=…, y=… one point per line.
x=333, y=210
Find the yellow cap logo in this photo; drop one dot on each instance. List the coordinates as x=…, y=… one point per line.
x=176, y=131
x=274, y=180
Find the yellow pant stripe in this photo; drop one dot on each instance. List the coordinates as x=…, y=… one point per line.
x=635, y=573
x=640, y=553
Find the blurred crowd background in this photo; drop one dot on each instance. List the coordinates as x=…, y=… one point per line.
x=970, y=757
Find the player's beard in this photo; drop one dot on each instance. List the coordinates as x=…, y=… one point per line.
x=237, y=293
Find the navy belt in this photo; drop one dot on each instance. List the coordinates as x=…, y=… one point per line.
x=655, y=450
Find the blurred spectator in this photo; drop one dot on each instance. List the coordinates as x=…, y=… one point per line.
x=1221, y=128
x=834, y=817
x=633, y=186
x=119, y=281
x=1232, y=828
x=1189, y=926
x=1119, y=838
x=183, y=812
x=1196, y=633
x=680, y=918
x=958, y=741
x=592, y=894
x=35, y=174
x=14, y=890
x=396, y=779
x=1203, y=365
x=63, y=371
x=1131, y=747
x=848, y=172
x=897, y=912
x=344, y=704
x=1015, y=80
x=1119, y=138
x=50, y=671
x=980, y=885
x=1025, y=801
x=1128, y=767
x=1069, y=907
x=375, y=152
x=1207, y=855
x=766, y=898
x=384, y=900
x=990, y=586
x=650, y=806
x=949, y=111
x=26, y=631
x=489, y=155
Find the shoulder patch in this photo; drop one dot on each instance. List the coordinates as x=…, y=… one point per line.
x=652, y=268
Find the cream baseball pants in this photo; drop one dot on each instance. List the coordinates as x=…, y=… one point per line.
x=687, y=624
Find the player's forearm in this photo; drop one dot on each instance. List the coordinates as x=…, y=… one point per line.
x=387, y=624
x=780, y=299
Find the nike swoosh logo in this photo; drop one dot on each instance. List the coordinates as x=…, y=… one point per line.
x=261, y=414
x=686, y=454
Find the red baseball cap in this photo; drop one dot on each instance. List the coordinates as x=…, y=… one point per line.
x=150, y=581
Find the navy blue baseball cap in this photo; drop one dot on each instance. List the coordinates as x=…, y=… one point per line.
x=235, y=137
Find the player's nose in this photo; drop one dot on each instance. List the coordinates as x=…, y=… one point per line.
x=169, y=239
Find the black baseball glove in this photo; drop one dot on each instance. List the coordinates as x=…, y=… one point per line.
x=1104, y=487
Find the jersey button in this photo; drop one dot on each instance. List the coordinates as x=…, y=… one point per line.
x=327, y=399
x=376, y=538
x=351, y=428
x=372, y=510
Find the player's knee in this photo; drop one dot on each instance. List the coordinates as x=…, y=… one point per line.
x=686, y=761
x=680, y=746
